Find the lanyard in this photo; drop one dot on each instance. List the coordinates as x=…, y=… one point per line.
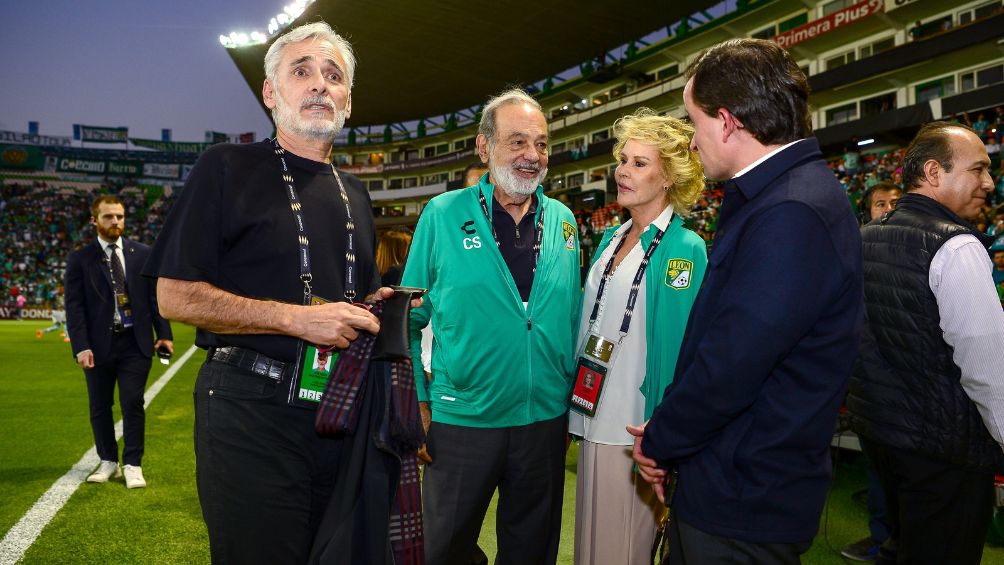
x=635, y=284
x=301, y=226
x=540, y=228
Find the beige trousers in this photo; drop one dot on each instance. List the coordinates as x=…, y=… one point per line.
x=616, y=512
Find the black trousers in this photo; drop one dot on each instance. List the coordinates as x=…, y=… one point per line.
x=527, y=466
x=938, y=512
x=264, y=476
x=128, y=367
x=690, y=546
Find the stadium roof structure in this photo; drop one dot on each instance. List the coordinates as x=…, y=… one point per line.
x=429, y=58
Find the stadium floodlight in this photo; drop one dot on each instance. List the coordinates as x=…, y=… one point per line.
x=283, y=19
x=258, y=37
x=225, y=40
x=865, y=142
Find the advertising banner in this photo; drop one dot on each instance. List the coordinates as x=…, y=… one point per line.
x=30, y=139
x=162, y=170
x=170, y=146
x=21, y=157
x=835, y=20
x=97, y=134
x=71, y=165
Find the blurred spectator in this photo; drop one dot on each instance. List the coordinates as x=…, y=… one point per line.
x=981, y=125
x=993, y=148
x=852, y=159
x=392, y=251
x=879, y=200
x=999, y=267
x=997, y=227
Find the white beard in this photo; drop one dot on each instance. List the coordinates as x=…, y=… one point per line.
x=513, y=185
x=321, y=130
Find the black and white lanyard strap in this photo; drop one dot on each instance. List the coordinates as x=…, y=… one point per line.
x=540, y=229
x=635, y=284
x=301, y=226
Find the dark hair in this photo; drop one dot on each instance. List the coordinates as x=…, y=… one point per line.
x=931, y=142
x=472, y=166
x=104, y=199
x=758, y=82
x=869, y=195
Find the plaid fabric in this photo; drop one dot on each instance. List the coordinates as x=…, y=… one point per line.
x=406, y=534
x=400, y=432
x=337, y=412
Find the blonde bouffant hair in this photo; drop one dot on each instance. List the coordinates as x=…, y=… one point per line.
x=682, y=167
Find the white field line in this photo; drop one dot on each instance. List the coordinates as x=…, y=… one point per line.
x=20, y=537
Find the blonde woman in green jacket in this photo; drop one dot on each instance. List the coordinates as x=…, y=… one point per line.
x=627, y=354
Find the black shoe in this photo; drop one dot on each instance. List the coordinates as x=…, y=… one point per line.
x=862, y=550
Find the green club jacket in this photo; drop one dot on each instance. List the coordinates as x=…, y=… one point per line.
x=667, y=308
x=494, y=362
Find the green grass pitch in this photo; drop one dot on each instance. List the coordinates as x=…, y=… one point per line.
x=43, y=407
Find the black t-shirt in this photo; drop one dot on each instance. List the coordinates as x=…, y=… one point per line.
x=232, y=227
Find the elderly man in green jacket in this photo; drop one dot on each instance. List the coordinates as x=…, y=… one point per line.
x=501, y=262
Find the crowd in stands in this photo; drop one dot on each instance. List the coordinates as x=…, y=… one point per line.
x=856, y=171
x=41, y=223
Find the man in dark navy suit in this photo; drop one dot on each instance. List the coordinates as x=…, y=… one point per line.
x=111, y=314
x=768, y=349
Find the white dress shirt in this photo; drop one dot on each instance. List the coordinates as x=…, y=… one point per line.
x=973, y=324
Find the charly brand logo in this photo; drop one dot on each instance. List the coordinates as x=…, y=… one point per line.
x=678, y=273
x=471, y=242
x=568, y=233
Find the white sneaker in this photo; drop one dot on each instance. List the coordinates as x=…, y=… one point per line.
x=106, y=470
x=133, y=476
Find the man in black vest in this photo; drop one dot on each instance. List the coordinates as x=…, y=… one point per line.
x=928, y=399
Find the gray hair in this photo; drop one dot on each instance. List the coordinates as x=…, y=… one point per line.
x=316, y=30
x=488, y=126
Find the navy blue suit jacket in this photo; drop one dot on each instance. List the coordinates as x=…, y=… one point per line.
x=90, y=300
x=766, y=356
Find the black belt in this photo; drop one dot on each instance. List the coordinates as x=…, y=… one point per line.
x=250, y=360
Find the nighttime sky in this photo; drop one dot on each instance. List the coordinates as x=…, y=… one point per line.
x=143, y=64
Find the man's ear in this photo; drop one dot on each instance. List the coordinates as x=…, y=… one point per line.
x=268, y=94
x=730, y=124
x=932, y=172
x=482, y=142
x=348, y=106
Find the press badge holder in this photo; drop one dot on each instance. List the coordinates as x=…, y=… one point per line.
x=125, y=310
x=596, y=357
x=313, y=368
x=598, y=353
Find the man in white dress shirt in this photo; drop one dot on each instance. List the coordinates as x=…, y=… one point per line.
x=928, y=397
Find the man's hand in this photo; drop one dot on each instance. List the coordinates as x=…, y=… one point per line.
x=648, y=468
x=86, y=359
x=426, y=412
x=333, y=324
x=168, y=344
x=385, y=292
